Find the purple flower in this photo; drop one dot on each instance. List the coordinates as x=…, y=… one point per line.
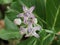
x=31, y=21
x=32, y=31
x=27, y=13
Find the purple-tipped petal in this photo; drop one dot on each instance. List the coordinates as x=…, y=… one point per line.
x=20, y=15
x=25, y=20
x=27, y=35
x=29, y=29
x=23, y=30
x=35, y=35
x=25, y=9
x=31, y=9
x=32, y=34
x=32, y=15
x=37, y=28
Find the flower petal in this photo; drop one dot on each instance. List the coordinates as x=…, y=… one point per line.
x=27, y=35
x=31, y=9
x=25, y=20
x=25, y=9
x=23, y=30
x=35, y=35
x=29, y=29
x=20, y=15
x=36, y=28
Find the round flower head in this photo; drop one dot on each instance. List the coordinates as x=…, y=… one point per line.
x=17, y=21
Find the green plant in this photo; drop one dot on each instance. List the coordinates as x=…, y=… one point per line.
x=48, y=14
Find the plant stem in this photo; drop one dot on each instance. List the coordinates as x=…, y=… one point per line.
x=57, y=13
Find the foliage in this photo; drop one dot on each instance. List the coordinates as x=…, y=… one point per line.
x=48, y=15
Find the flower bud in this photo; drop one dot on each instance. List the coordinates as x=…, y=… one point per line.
x=35, y=20
x=17, y=21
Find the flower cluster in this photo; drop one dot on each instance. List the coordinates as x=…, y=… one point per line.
x=28, y=22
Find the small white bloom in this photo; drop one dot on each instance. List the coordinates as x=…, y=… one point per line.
x=35, y=21
x=17, y=21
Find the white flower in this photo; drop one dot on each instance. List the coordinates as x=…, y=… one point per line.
x=35, y=20
x=17, y=21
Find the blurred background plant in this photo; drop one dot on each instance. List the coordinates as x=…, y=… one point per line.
x=47, y=13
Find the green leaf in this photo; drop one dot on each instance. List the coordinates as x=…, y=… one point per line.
x=45, y=38
x=53, y=13
x=9, y=25
x=13, y=10
x=16, y=6
x=5, y=1
x=42, y=34
x=29, y=41
x=11, y=14
x=7, y=35
x=48, y=39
